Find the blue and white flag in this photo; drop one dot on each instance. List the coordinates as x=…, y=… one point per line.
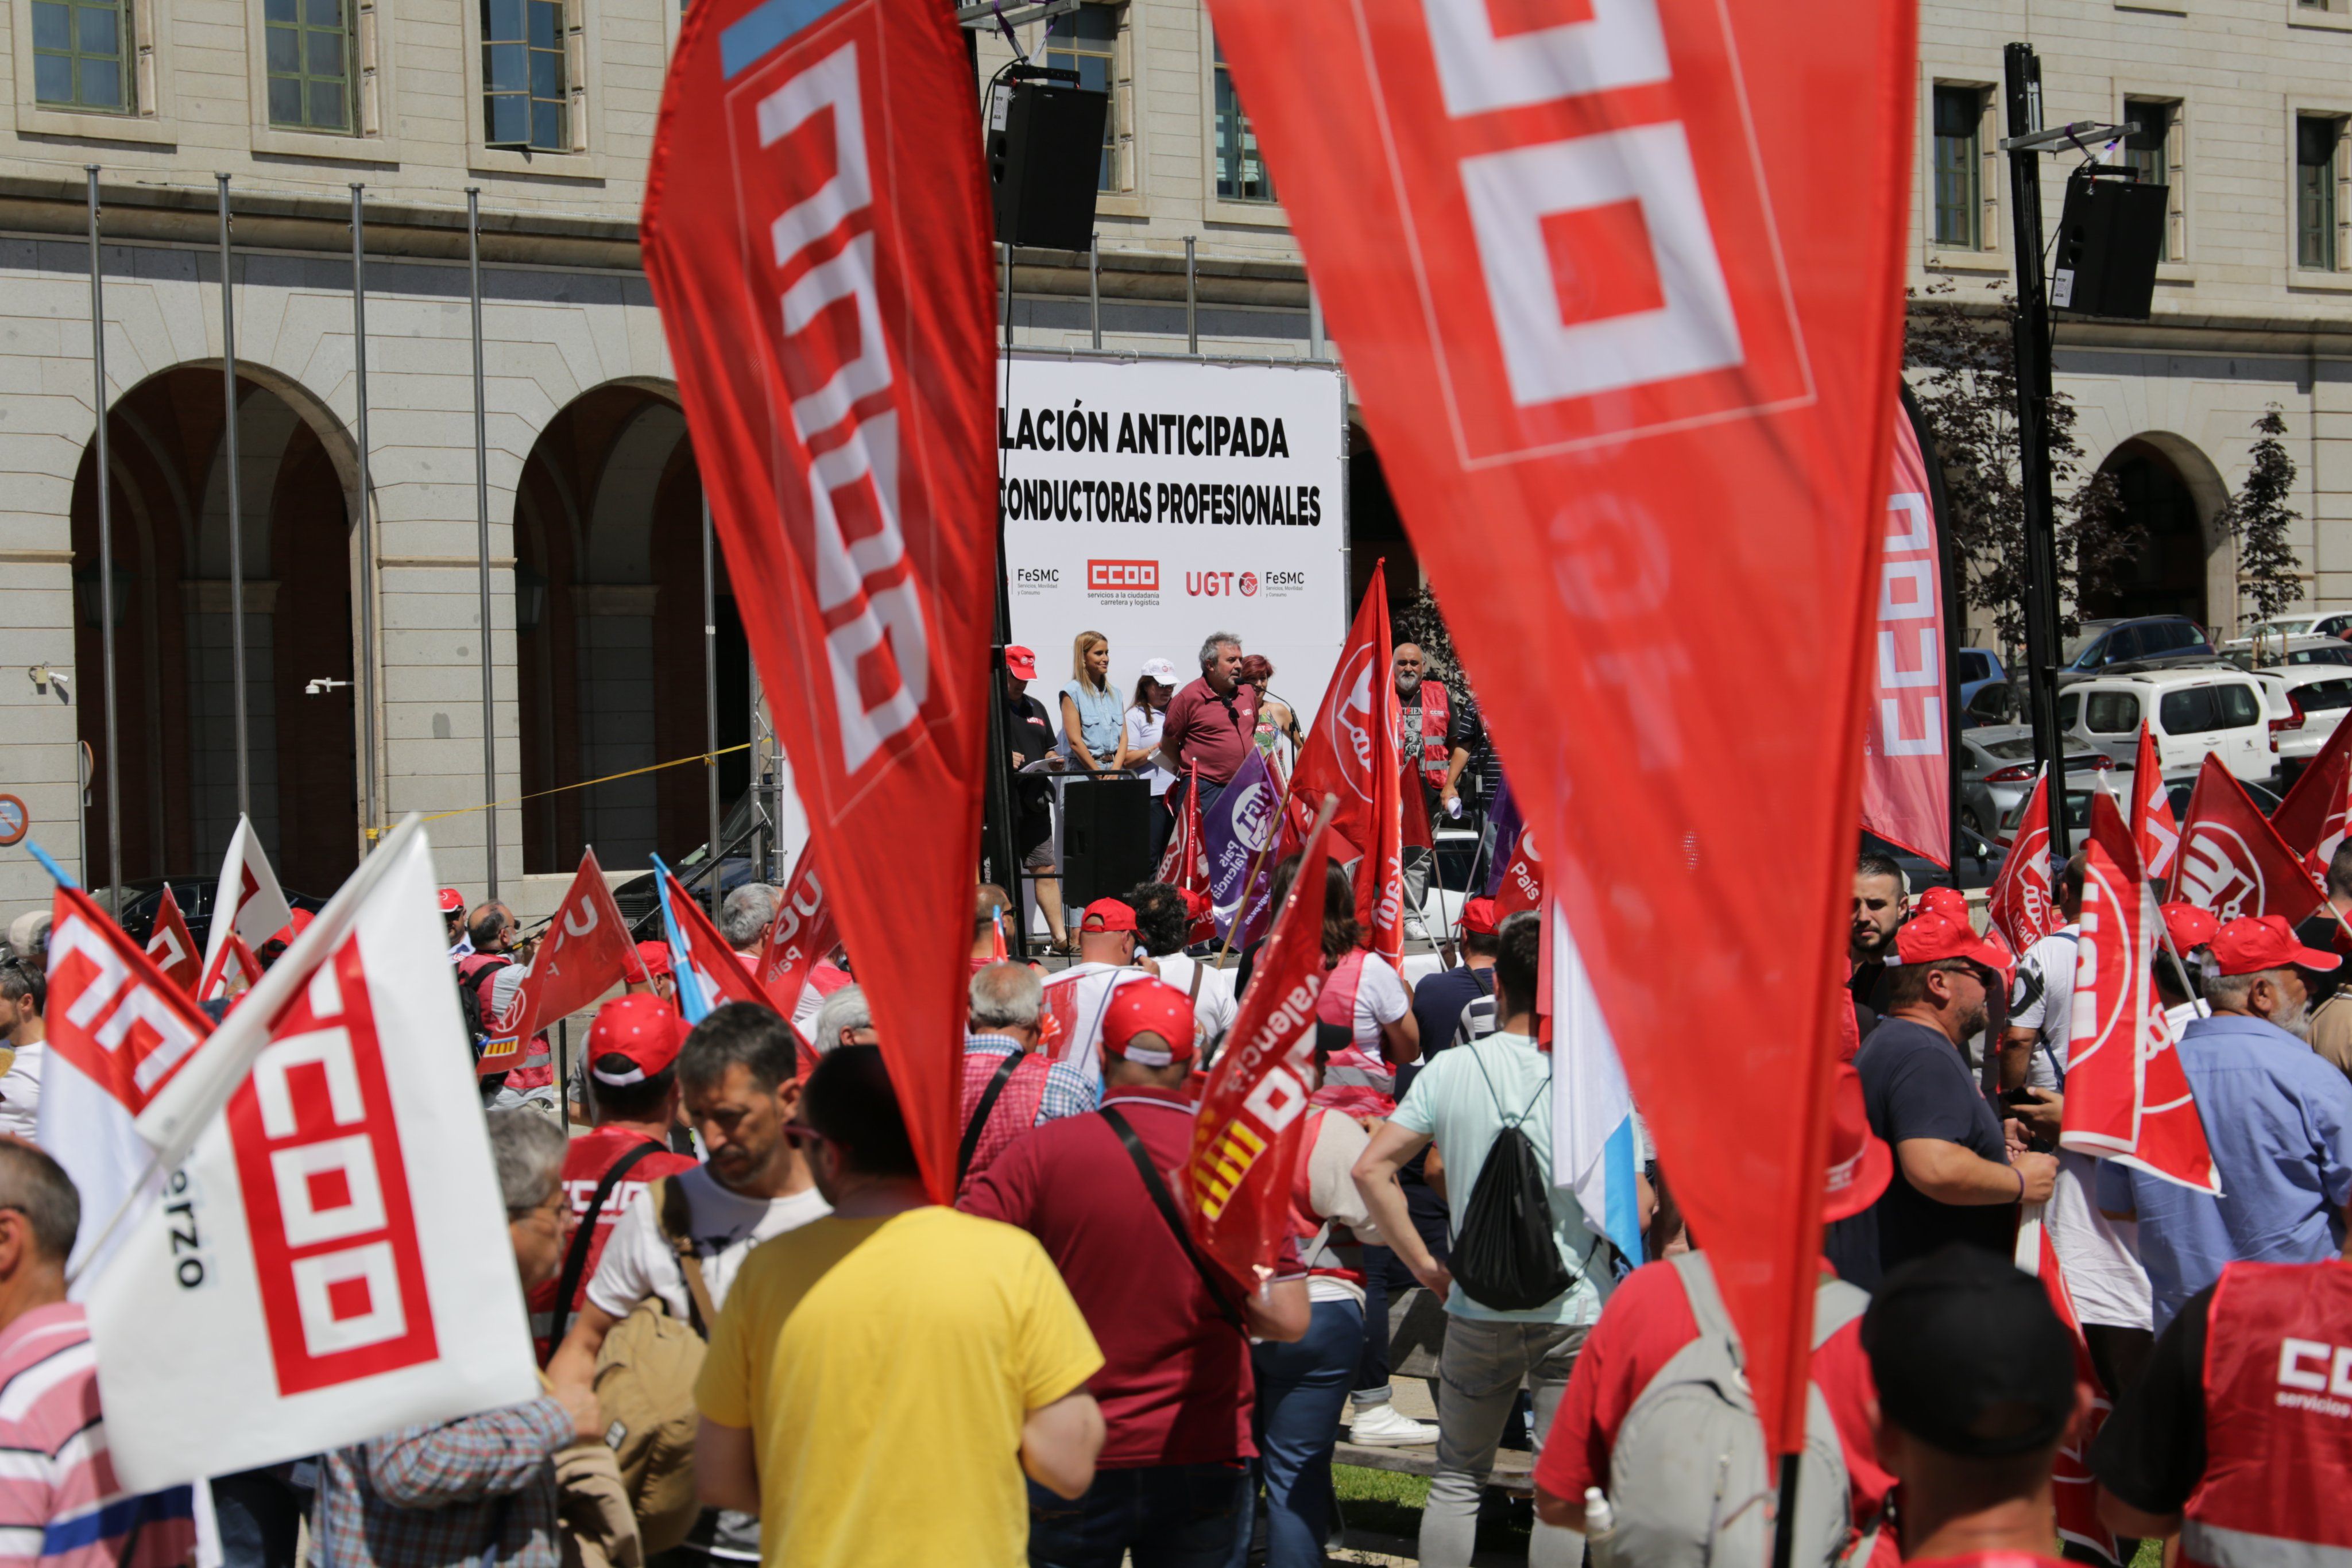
x=1592, y=1137
x=693, y=1000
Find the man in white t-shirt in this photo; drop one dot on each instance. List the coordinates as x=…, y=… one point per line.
x=738, y=1071
x=1076, y=998
x=21, y=1034
x=1163, y=920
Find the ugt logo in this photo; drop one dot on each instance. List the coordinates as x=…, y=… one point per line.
x=1595, y=244
x=2219, y=872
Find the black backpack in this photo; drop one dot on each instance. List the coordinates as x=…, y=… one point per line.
x=1505, y=1258
x=471, y=971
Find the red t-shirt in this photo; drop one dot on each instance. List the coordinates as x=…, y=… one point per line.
x=1647, y=1321
x=584, y=1163
x=1175, y=1387
x=1199, y=731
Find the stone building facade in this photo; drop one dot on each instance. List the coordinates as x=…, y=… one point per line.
x=596, y=645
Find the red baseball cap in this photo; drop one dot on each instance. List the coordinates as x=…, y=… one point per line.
x=1931, y=938
x=2189, y=925
x=452, y=901
x=1148, y=1007
x=635, y=1037
x=296, y=922
x=2253, y=943
x=1478, y=916
x=1196, y=903
x=1107, y=915
x=655, y=956
x=1861, y=1164
x=1022, y=663
x=1948, y=902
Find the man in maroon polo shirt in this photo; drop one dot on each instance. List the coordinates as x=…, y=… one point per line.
x=1209, y=721
x=1175, y=1387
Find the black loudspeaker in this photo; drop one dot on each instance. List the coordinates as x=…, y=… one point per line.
x=2108, y=242
x=1106, y=838
x=1045, y=155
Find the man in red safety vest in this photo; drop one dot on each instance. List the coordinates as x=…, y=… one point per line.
x=2238, y=1436
x=1435, y=738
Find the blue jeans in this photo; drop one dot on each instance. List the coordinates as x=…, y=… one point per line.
x=1168, y=1516
x=1301, y=1390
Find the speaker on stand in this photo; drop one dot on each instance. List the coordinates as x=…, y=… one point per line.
x=1044, y=153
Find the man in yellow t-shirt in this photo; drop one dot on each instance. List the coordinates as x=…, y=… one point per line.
x=880, y=1379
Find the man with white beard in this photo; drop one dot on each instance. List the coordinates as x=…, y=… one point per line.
x=2278, y=1117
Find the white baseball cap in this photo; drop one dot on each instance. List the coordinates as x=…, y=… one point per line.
x=1159, y=670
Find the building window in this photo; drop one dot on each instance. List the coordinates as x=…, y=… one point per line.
x=81, y=54
x=310, y=50
x=2317, y=138
x=2153, y=152
x=525, y=100
x=1241, y=172
x=1086, y=41
x=1960, y=168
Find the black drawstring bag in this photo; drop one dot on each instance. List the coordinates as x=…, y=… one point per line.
x=1505, y=1258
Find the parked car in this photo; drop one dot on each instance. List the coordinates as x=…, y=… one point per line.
x=2078, y=803
x=2306, y=623
x=2193, y=710
x=2307, y=702
x=1993, y=703
x=141, y=899
x=2143, y=641
x=1978, y=668
x=1981, y=862
x=2293, y=650
x=1997, y=772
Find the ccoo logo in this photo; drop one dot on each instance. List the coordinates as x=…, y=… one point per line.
x=1122, y=577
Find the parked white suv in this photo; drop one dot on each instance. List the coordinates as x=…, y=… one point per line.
x=2192, y=710
x=2307, y=702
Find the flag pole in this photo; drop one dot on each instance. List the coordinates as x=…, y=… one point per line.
x=106, y=616
x=235, y=516
x=366, y=531
x=710, y=690
x=482, y=541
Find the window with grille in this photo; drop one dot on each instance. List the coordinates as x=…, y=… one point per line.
x=2150, y=150
x=1241, y=172
x=525, y=100
x=1960, y=168
x=1086, y=41
x=2317, y=138
x=81, y=51
x=310, y=59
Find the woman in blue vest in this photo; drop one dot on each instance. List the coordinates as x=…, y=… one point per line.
x=1094, y=720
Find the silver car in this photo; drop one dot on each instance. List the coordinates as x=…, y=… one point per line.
x=1997, y=775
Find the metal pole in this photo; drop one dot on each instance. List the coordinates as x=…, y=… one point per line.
x=997, y=844
x=105, y=559
x=1094, y=284
x=235, y=516
x=710, y=689
x=366, y=532
x=482, y=533
x=1315, y=323
x=1192, y=303
x=2031, y=340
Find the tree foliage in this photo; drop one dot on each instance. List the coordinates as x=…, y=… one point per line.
x=1962, y=367
x=2258, y=518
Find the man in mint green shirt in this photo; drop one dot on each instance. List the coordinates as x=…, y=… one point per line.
x=1461, y=1101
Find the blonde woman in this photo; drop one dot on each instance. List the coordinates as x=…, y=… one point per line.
x=1093, y=721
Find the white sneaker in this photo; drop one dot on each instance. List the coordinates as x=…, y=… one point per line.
x=1381, y=1427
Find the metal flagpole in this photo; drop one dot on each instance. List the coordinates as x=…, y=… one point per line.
x=105, y=559
x=367, y=532
x=235, y=516
x=710, y=689
x=482, y=533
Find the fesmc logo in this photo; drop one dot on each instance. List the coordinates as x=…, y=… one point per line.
x=2219, y=872
x=1037, y=576
x=1355, y=718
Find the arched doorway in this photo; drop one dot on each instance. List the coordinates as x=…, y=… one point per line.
x=2165, y=571
x=174, y=691
x=609, y=643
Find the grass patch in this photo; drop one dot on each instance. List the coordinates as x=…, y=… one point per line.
x=1389, y=1502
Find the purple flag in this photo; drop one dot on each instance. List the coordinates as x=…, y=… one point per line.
x=1237, y=827
x=1503, y=819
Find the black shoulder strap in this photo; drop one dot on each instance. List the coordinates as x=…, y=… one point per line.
x=988, y=1097
x=575, y=1257
x=1166, y=1203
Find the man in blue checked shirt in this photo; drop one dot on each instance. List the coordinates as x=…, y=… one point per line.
x=482, y=1490
x=1003, y=1071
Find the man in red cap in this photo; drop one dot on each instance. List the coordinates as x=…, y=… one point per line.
x=1175, y=1389
x=1164, y=914
x=2278, y=1119
x=1955, y=1177
x=1445, y=1005
x=1077, y=996
x=1029, y=732
x=630, y=1055
x=453, y=923
x=1649, y=1320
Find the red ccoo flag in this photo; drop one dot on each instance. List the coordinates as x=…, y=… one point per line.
x=800, y=936
x=1621, y=297
x=172, y=948
x=2312, y=819
x=2152, y=827
x=1351, y=753
x=1246, y=1136
x=1906, y=791
x=586, y=952
x=2232, y=861
x=2021, y=904
x=816, y=234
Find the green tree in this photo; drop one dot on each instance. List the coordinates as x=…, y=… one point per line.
x=2269, y=573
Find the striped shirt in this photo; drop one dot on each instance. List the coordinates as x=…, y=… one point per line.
x=59, y=1504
